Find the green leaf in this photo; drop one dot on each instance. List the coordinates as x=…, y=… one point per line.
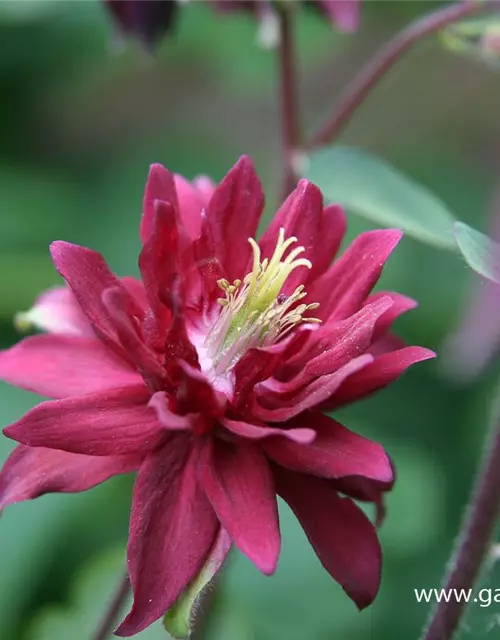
x=370, y=187
x=481, y=253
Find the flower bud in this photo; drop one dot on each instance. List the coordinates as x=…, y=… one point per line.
x=479, y=39
x=146, y=20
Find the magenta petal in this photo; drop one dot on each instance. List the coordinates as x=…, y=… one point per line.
x=191, y=204
x=239, y=484
x=88, y=275
x=233, y=214
x=400, y=304
x=172, y=530
x=60, y=366
x=343, y=288
x=343, y=13
x=334, y=344
x=382, y=371
x=205, y=186
x=30, y=472
x=169, y=420
x=301, y=435
x=139, y=353
x=335, y=452
x=332, y=231
x=301, y=216
x=343, y=538
x=114, y=422
x=160, y=186
x=57, y=311
x=312, y=395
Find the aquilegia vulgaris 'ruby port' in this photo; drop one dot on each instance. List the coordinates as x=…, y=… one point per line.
x=210, y=378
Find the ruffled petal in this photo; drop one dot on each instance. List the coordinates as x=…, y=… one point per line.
x=233, y=215
x=61, y=366
x=88, y=276
x=172, y=530
x=302, y=435
x=239, y=485
x=334, y=453
x=160, y=186
x=56, y=311
x=384, y=369
x=115, y=422
x=332, y=346
x=30, y=472
x=138, y=352
x=343, y=288
x=310, y=396
x=343, y=538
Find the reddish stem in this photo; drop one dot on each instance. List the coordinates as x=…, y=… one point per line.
x=384, y=60
x=288, y=98
x=108, y=621
x=473, y=543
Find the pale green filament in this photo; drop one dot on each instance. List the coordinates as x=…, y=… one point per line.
x=252, y=313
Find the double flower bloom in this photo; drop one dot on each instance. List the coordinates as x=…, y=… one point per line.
x=210, y=377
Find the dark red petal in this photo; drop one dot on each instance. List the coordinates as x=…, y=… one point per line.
x=400, y=304
x=239, y=484
x=367, y=490
x=256, y=365
x=334, y=453
x=233, y=215
x=332, y=346
x=382, y=371
x=343, y=288
x=343, y=538
x=61, y=366
x=300, y=216
x=30, y=472
x=88, y=275
x=256, y=432
x=138, y=352
x=310, y=396
x=114, y=422
x=332, y=231
x=166, y=263
x=172, y=530
x=160, y=186
x=158, y=261
x=195, y=394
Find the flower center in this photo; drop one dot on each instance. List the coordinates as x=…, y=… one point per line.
x=254, y=312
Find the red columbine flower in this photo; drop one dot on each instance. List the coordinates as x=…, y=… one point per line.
x=210, y=377
x=146, y=20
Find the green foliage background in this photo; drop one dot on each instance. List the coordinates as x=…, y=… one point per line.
x=78, y=129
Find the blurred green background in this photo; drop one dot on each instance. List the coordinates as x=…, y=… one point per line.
x=79, y=125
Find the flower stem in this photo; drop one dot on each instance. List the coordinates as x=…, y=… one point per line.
x=107, y=624
x=473, y=542
x=384, y=60
x=288, y=97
